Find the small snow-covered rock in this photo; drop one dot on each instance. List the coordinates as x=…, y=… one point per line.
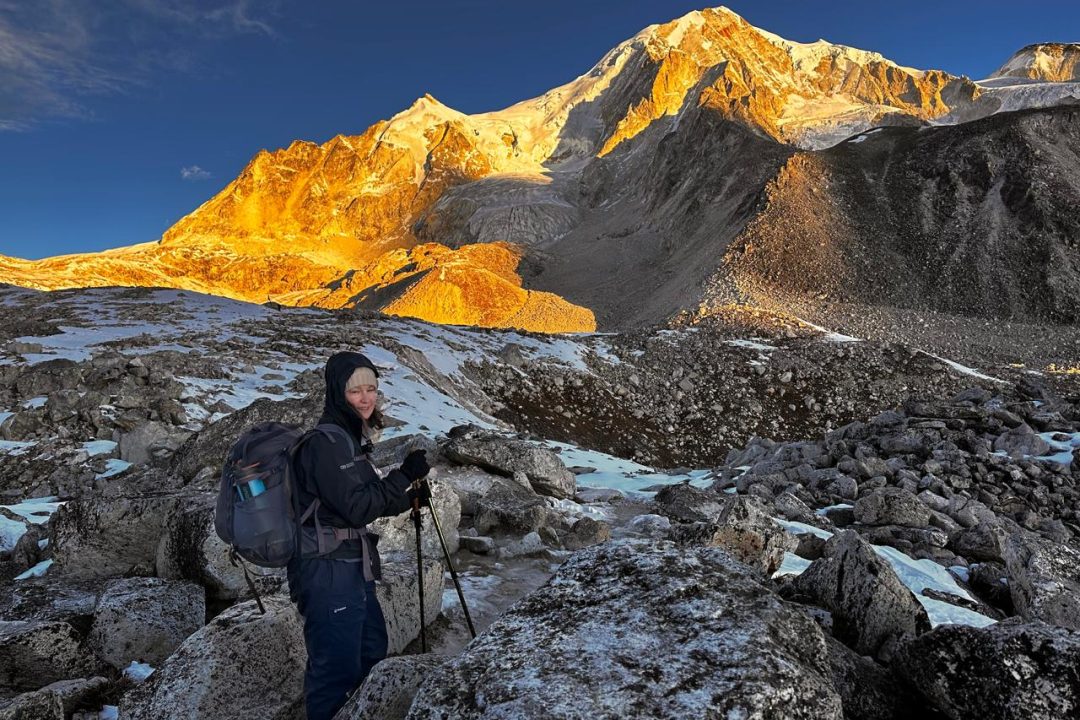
x=649, y=525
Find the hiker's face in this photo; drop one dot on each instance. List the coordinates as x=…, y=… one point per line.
x=362, y=399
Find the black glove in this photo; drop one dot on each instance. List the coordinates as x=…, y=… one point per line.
x=415, y=465
x=420, y=490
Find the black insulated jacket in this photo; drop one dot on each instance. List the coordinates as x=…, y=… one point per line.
x=351, y=493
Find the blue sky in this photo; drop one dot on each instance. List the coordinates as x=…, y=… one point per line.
x=118, y=117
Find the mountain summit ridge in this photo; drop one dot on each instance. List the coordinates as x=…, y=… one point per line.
x=312, y=223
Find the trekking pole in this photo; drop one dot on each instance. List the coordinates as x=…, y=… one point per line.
x=419, y=572
x=450, y=564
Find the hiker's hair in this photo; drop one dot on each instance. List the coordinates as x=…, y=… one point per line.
x=376, y=421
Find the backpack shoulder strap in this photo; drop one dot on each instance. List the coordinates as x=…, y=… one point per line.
x=333, y=431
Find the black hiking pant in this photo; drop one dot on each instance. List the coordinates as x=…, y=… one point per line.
x=344, y=630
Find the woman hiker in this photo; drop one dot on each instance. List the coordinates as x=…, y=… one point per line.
x=332, y=581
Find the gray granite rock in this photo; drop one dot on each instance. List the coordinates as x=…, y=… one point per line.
x=1007, y=671
x=389, y=690
x=34, y=653
x=116, y=532
x=243, y=664
x=1044, y=579
x=686, y=503
x=640, y=629
x=145, y=619
x=399, y=598
x=891, y=506
x=872, y=611
x=510, y=508
x=505, y=456
x=190, y=549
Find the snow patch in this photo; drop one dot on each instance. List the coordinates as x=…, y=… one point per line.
x=36, y=571
x=113, y=466
x=99, y=447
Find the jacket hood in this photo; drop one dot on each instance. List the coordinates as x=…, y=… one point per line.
x=339, y=368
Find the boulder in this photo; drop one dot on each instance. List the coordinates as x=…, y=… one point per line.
x=37, y=705
x=389, y=690
x=398, y=534
x=399, y=598
x=209, y=447
x=55, y=701
x=469, y=483
x=115, y=533
x=891, y=506
x=904, y=537
x=640, y=629
x=746, y=530
x=390, y=453
x=480, y=545
x=869, y=691
x=505, y=456
x=511, y=508
x=1010, y=670
x=872, y=611
x=190, y=549
x=530, y=544
x=584, y=533
x=1021, y=441
x=145, y=619
x=34, y=653
x=243, y=664
x=1044, y=579
x=686, y=504
x=649, y=525
x=985, y=542
x=150, y=441
x=52, y=597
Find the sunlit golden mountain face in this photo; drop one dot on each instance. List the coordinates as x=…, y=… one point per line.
x=516, y=218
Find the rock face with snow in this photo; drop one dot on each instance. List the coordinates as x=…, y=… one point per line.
x=1009, y=670
x=1051, y=62
x=203, y=679
x=710, y=640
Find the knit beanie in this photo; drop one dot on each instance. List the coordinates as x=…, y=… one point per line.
x=361, y=376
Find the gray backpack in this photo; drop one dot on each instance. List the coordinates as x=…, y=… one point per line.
x=257, y=512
